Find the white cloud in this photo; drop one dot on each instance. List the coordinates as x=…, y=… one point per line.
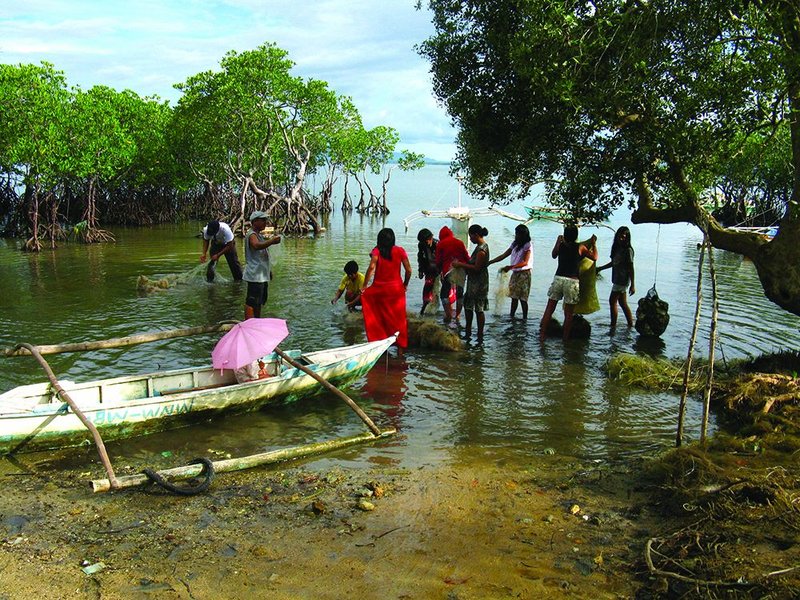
x=363, y=48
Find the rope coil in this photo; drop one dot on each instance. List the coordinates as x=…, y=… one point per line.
x=207, y=470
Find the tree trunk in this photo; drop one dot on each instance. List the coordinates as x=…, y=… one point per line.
x=777, y=261
x=360, y=207
x=32, y=195
x=347, y=203
x=92, y=234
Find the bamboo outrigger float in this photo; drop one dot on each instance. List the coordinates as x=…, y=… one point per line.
x=33, y=417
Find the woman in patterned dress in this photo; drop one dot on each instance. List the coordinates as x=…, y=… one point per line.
x=476, y=296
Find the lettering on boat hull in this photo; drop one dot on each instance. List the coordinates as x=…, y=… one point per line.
x=112, y=417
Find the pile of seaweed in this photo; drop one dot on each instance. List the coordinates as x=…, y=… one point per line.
x=737, y=499
x=659, y=374
x=427, y=333
x=741, y=388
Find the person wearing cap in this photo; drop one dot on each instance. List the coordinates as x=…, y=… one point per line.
x=257, y=269
x=220, y=237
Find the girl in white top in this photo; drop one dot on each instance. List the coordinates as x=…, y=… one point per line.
x=520, y=265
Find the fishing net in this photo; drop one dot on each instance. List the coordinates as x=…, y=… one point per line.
x=581, y=328
x=457, y=276
x=501, y=292
x=198, y=273
x=432, y=308
x=426, y=333
x=652, y=316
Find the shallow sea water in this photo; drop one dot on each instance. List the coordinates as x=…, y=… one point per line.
x=507, y=400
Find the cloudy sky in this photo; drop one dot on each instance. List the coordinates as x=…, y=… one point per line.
x=362, y=48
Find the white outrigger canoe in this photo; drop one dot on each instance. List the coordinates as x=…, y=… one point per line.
x=34, y=417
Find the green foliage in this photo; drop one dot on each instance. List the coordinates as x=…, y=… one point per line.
x=96, y=143
x=225, y=123
x=129, y=159
x=410, y=161
x=254, y=119
x=33, y=104
x=755, y=178
x=591, y=97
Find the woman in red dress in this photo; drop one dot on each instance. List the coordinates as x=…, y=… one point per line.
x=384, y=299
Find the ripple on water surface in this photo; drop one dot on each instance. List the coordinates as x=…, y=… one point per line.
x=509, y=399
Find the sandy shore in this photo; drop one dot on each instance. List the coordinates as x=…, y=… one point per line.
x=556, y=529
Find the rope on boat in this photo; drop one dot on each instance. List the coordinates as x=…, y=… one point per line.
x=208, y=471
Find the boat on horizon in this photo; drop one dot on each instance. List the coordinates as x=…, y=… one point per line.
x=461, y=216
x=34, y=417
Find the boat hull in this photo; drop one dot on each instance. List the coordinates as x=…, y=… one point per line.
x=33, y=418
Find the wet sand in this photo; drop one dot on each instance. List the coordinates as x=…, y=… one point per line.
x=556, y=528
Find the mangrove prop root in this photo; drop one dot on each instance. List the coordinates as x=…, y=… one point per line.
x=648, y=550
x=767, y=389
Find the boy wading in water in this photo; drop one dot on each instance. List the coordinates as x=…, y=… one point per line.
x=566, y=284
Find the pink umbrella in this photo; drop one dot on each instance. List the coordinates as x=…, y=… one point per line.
x=248, y=341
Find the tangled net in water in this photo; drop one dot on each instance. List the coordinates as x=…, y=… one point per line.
x=145, y=285
x=501, y=292
x=427, y=333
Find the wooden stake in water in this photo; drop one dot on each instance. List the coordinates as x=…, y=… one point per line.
x=712, y=343
x=688, y=368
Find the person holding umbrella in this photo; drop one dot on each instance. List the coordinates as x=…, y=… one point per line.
x=257, y=270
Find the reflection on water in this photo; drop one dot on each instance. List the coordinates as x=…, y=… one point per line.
x=507, y=400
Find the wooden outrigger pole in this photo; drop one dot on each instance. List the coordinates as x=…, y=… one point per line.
x=118, y=342
x=101, y=447
x=244, y=462
x=331, y=388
